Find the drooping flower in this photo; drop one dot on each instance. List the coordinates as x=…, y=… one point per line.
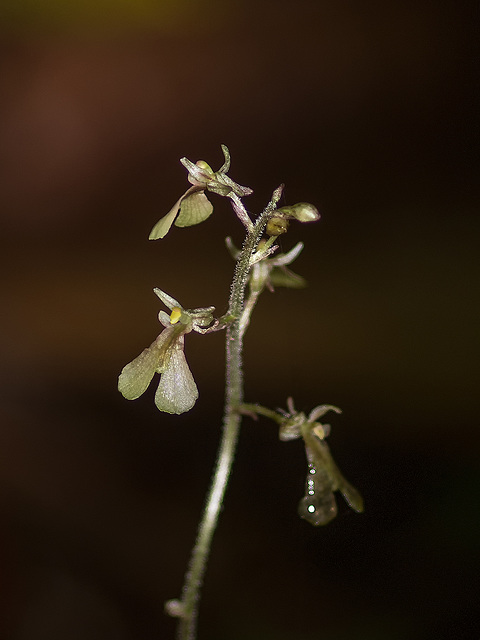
x=194, y=206
x=177, y=391
x=318, y=506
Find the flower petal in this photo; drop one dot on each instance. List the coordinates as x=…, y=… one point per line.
x=321, y=410
x=194, y=209
x=137, y=375
x=199, y=173
x=352, y=497
x=283, y=277
x=286, y=258
x=318, y=452
x=162, y=227
x=223, y=184
x=164, y=319
x=177, y=391
x=234, y=252
x=319, y=506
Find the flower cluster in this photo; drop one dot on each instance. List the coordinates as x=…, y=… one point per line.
x=177, y=391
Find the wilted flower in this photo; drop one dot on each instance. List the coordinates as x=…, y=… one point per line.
x=177, y=391
x=324, y=477
x=194, y=206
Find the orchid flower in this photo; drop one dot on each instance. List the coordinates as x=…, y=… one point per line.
x=324, y=477
x=267, y=272
x=194, y=206
x=177, y=391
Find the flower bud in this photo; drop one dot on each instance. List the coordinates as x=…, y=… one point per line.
x=302, y=211
x=276, y=226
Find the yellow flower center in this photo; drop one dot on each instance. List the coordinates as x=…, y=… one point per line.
x=175, y=315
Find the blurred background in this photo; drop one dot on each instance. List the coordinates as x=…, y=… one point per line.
x=366, y=110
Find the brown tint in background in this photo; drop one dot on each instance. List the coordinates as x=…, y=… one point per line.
x=364, y=109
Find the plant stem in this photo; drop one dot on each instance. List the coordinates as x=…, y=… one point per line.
x=231, y=425
x=257, y=409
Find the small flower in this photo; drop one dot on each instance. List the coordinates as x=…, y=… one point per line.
x=271, y=272
x=194, y=206
x=267, y=272
x=324, y=477
x=177, y=391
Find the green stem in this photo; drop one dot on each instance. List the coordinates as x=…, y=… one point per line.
x=257, y=409
x=188, y=610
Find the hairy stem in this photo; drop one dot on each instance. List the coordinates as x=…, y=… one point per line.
x=231, y=425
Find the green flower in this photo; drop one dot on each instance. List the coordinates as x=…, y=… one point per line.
x=194, y=206
x=177, y=391
x=270, y=272
x=324, y=477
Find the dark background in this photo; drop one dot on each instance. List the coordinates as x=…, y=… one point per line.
x=364, y=109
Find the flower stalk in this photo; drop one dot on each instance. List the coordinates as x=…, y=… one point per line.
x=187, y=609
x=257, y=268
